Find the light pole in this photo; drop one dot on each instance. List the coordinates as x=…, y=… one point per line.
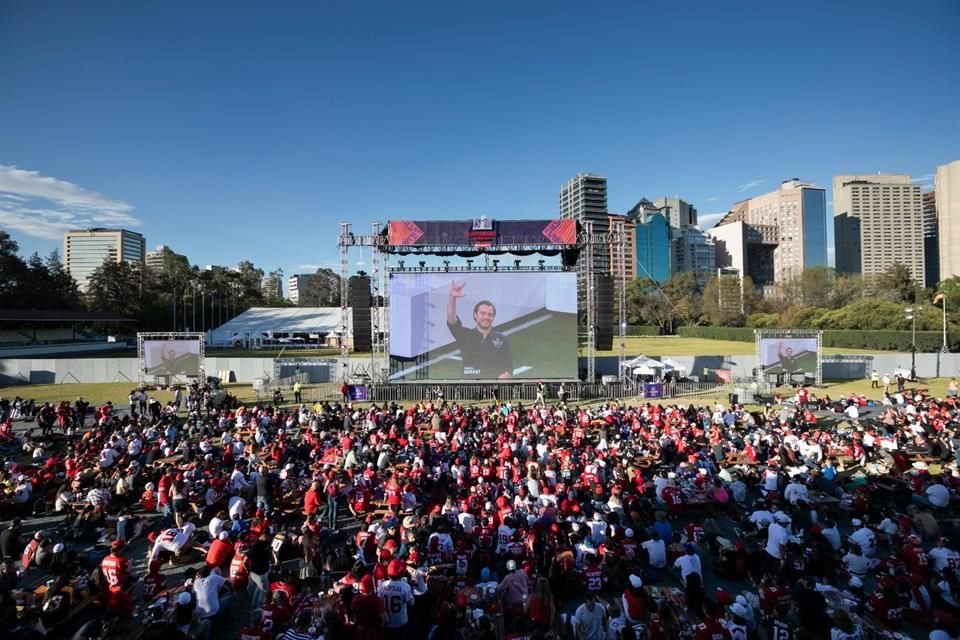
x=912, y=316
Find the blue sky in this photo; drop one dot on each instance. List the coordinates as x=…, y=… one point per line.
x=249, y=130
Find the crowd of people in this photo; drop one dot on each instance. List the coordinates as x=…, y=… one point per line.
x=809, y=518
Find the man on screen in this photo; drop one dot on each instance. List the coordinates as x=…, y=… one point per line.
x=787, y=362
x=486, y=352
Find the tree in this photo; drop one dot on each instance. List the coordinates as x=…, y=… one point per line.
x=895, y=284
x=13, y=271
x=816, y=283
x=685, y=293
x=847, y=288
x=116, y=287
x=321, y=289
x=721, y=302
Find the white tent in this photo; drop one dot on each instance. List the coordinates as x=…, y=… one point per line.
x=644, y=366
x=673, y=365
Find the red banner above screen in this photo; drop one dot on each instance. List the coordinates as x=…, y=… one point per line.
x=481, y=233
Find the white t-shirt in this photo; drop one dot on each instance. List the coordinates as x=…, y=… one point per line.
x=172, y=540
x=206, y=590
x=857, y=565
x=396, y=595
x=770, y=479
x=237, y=506
x=657, y=550
x=943, y=558
x=795, y=492
x=777, y=537
x=688, y=563
x=865, y=538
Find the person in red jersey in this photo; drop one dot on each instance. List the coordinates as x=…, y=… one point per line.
x=152, y=583
x=220, y=552
x=369, y=612
x=116, y=573
x=276, y=614
x=710, y=628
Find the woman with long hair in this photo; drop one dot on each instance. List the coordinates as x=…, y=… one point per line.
x=541, y=609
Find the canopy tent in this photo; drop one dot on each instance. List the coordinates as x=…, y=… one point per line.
x=674, y=366
x=644, y=366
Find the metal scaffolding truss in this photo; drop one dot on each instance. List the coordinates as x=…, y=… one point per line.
x=617, y=239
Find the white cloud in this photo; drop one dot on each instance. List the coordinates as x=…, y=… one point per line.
x=925, y=178
x=713, y=199
x=46, y=207
x=746, y=186
x=707, y=220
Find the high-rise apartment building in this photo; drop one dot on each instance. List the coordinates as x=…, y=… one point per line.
x=584, y=199
x=878, y=221
x=947, y=196
x=85, y=250
x=783, y=233
x=931, y=238
x=159, y=258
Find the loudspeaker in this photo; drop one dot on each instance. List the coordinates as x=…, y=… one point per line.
x=360, y=299
x=604, y=332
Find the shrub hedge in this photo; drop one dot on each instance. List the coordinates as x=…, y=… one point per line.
x=927, y=341
x=643, y=330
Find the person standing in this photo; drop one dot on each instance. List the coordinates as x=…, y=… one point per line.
x=874, y=380
x=297, y=392
x=257, y=564
x=397, y=598
x=589, y=620
x=541, y=388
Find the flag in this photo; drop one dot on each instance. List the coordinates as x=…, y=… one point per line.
x=937, y=299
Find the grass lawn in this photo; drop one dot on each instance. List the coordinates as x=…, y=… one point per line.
x=665, y=346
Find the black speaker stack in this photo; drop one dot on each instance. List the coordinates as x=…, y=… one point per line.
x=360, y=300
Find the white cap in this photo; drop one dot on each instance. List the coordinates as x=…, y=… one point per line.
x=857, y=522
x=855, y=582
x=628, y=533
x=57, y=548
x=224, y=535
x=149, y=486
x=511, y=565
x=781, y=518
x=635, y=581
x=738, y=609
x=183, y=598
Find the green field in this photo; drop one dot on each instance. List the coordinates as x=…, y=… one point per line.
x=667, y=346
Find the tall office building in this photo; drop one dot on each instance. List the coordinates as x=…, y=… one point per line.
x=584, y=199
x=651, y=237
x=678, y=213
x=783, y=233
x=629, y=268
x=931, y=238
x=693, y=250
x=85, y=250
x=297, y=286
x=878, y=221
x=947, y=195
x=158, y=259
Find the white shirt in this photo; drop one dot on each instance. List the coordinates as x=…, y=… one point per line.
x=688, y=563
x=172, y=540
x=206, y=590
x=796, y=492
x=865, y=539
x=858, y=565
x=237, y=506
x=396, y=595
x=657, y=551
x=777, y=537
x=943, y=558
x=833, y=537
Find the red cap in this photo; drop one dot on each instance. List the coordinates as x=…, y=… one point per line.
x=396, y=569
x=366, y=584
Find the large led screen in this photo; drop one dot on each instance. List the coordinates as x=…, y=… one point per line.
x=171, y=357
x=788, y=355
x=483, y=326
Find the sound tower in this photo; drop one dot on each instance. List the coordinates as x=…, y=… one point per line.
x=360, y=299
x=604, y=332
